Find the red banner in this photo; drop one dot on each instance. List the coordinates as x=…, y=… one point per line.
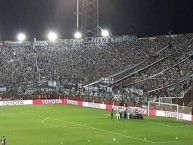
x=109, y=107
x=57, y=101
x=152, y=112
x=37, y=102
x=64, y=101
x=46, y=102
x=80, y=103
x=192, y=118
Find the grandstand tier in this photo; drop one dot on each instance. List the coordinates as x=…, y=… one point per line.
x=123, y=68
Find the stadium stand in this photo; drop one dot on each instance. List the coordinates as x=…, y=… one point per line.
x=123, y=68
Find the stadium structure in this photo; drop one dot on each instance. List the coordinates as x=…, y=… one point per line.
x=115, y=68
x=123, y=68
x=149, y=76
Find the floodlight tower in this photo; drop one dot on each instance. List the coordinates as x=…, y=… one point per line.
x=78, y=34
x=90, y=18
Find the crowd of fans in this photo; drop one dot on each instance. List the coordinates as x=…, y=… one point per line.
x=174, y=69
x=86, y=63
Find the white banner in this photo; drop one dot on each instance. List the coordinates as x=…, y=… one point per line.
x=52, y=83
x=173, y=115
x=72, y=102
x=16, y=102
x=94, y=105
x=41, y=43
x=3, y=89
x=17, y=43
x=102, y=106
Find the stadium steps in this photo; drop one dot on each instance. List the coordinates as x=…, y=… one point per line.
x=186, y=100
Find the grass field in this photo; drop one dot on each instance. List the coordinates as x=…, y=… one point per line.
x=72, y=125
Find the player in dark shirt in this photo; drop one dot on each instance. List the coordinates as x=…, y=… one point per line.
x=111, y=114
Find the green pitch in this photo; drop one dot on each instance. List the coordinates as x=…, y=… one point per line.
x=72, y=125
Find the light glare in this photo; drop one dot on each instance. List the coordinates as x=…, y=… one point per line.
x=52, y=36
x=77, y=35
x=105, y=33
x=21, y=37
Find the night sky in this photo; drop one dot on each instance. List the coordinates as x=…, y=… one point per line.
x=137, y=17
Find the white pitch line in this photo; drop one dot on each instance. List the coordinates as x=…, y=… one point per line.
x=127, y=136
x=121, y=134
x=172, y=141
x=101, y=130
x=91, y=128
x=169, y=125
x=43, y=121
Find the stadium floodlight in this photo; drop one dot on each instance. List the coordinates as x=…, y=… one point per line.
x=78, y=35
x=105, y=33
x=52, y=36
x=21, y=37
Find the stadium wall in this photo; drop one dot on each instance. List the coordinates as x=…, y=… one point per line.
x=161, y=113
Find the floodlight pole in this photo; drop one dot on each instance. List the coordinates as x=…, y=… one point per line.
x=77, y=14
x=97, y=18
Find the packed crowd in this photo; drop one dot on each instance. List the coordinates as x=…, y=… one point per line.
x=169, y=78
x=177, y=67
x=86, y=63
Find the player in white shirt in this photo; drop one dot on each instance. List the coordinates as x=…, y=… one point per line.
x=118, y=114
x=3, y=140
